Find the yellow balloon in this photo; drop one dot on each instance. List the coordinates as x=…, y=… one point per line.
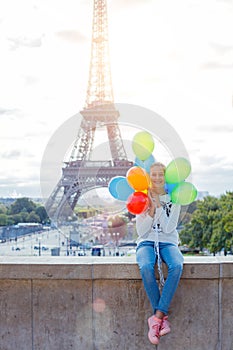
x=145, y=191
x=143, y=145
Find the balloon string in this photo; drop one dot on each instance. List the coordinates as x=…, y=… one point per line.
x=159, y=263
x=159, y=260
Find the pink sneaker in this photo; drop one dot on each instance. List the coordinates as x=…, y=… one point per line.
x=154, y=324
x=165, y=327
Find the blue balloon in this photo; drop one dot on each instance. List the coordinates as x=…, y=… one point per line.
x=148, y=162
x=145, y=164
x=139, y=162
x=169, y=187
x=123, y=189
x=112, y=185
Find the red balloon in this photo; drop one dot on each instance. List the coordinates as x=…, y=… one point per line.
x=137, y=203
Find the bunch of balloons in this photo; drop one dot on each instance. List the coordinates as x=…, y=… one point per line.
x=133, y=187
x=176, y=172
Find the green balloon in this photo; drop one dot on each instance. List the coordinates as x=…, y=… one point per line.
x=177, y=170
x=184, y=193
x=143, y=145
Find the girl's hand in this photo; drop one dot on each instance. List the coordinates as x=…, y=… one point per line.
x=154, y=199
x=152, y=207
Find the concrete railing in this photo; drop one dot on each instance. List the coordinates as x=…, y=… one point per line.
x=100, y=304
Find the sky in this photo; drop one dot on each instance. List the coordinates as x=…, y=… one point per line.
x=173, y=57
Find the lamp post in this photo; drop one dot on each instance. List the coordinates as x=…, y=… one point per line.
x=67, y=241
x=59, y=238
x=130, y=230
x=39, y=241
x=8, y=235
x=109, y=243
x=117, y=238
x=102, y=238
x=114, y=242
x=117, y=243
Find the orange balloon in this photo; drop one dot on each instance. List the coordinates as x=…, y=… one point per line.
x=138, y=178
x=148, y=179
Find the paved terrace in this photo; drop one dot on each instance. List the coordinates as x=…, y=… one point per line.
x=80, y=303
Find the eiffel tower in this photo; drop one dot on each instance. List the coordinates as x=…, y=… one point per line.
x=80, y=174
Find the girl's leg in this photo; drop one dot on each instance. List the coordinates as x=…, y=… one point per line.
x=173, y=258
x=146, y=259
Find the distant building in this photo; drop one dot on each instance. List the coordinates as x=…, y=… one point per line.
x=21, y=229
x=7, y=201
x=10, y=200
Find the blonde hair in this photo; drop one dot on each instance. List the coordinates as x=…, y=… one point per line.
x=159, y=165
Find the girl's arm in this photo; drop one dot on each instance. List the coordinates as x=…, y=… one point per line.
x=168, y=216
x=143, y=224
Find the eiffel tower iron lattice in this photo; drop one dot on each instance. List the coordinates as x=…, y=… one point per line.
x=81, y=174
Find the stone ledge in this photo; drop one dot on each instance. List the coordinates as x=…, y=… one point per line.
x=91, y=268
x=59, y=303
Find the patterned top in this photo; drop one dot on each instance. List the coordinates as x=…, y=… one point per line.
x=161, y=228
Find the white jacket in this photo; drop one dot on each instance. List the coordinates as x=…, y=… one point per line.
x=161, y=228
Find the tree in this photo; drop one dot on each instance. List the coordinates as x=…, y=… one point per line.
x=33, y=217
x=17, y=218
x=3, y=219
x=20, y=211
x=198, y=231
x=226, y=222
x=215, y=245
x=41, y=212
x=3, y=209
x=24, y=215
x=22, y=204
x=211, y=224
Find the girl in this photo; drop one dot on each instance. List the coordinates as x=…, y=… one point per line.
x=158, y=240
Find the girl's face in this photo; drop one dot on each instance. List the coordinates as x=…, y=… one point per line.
x=157, y=177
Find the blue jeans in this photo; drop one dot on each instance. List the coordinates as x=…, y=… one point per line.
x=146, y=258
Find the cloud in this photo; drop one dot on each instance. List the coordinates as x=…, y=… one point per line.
x=214, y=179
x=213, y=174
x=72, y=36
x=8, y=182
x=211, y=160
x=19, y=169
x=13, y=154
x=216, y=65
x=11, y=178
x=226, y=1
x=8, y=111
x=222, y=57
x=125, y=3
x=23, y=41
x=220, y=48
x=30, y=80
x=18, y=189
x=227, y=128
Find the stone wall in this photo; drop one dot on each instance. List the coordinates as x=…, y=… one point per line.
x=99, y=303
